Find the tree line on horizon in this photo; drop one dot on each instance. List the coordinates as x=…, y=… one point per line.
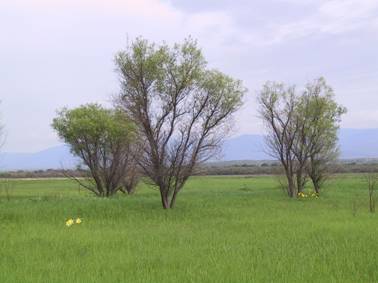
x=173, y=113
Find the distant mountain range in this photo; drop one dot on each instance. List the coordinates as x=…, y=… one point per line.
x=57, y=157
x=354, y=143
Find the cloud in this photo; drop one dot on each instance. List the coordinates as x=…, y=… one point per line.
x=331, y=17
x=59, y=52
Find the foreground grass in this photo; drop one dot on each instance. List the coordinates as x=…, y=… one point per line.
x=224, y=229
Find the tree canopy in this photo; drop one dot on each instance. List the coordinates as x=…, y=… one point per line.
x=301, y=130
x=103, y=139
x=182, y=109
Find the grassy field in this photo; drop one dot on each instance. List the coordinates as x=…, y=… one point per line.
x=224, y=229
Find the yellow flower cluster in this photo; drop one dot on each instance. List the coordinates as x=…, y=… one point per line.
x=301, y=195
x=71, y=222
x=304, y=195
x=314, y=195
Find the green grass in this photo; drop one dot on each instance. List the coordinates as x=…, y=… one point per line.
x=224, y=229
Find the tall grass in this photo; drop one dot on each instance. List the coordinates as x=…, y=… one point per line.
x=224, y=229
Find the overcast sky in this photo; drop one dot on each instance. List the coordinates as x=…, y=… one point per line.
x=57, y=53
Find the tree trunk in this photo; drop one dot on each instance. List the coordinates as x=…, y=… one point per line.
x=173, y=200
x=299, y=181
x=316, y=185
x=291, y=186
x=130, y=189
x=164, y=199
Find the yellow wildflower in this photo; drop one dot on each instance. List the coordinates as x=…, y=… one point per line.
x=78, y=221
x=301, y=194
x=69, y=222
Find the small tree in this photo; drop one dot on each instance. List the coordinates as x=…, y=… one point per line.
x=323, y=115
x=277, y=109
x=181, y=108
x=103, y=139
x=371, y=180
x=302, y=131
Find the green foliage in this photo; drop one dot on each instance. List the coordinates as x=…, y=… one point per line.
x=319, y=117
x=319, y=113
x=92, y=125
x=182, y=108
x=168, y=74
x=226, y=229
x=302, y=130
x=159, y=64
x=104, y=140
x=226, y=93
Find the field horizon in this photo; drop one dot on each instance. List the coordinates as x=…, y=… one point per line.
x=355, y=144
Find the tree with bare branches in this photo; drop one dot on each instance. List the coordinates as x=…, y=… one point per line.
x=103, y=139
x=182, y=109
x=278, y=112
x=323, y=115
x=301, y=131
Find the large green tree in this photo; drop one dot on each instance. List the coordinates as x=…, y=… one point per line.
x=181, y=108
x=104, y=140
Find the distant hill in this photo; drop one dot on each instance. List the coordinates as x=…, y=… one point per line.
x=354, y=144
x=358, y=143
x=245, y=147
x=52, y=158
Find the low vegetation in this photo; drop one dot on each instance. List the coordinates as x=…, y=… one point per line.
x=170, y=117
x=225, y=229
x=214, y=168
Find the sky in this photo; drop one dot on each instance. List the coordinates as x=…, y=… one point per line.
x=57, y=53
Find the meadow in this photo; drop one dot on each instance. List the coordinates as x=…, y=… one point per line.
x=223, y=229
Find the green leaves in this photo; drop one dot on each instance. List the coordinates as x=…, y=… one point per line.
x=302, y=129
x=160, y=82
x=161, y=69
x=92, y=124
x=104, y=139
x=180, y=107
x=224, y=94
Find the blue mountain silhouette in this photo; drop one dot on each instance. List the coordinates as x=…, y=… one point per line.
x=354, y=143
